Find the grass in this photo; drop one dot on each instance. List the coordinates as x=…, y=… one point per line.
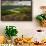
x=19, y=10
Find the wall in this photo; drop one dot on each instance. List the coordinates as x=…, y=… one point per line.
x=27, y=28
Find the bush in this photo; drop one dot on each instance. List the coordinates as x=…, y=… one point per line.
x=11, y=31
x=41, y=17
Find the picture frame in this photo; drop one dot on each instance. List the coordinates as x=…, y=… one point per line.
x=16, y=10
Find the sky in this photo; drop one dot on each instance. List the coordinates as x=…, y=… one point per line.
x=28, y=3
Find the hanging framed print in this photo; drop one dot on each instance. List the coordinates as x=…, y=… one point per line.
x=16, y=10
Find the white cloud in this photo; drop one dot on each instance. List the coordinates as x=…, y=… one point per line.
x=28, y=3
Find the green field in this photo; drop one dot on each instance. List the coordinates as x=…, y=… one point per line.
x=21, y=13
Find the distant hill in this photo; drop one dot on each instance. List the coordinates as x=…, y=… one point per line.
x=11, y=7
